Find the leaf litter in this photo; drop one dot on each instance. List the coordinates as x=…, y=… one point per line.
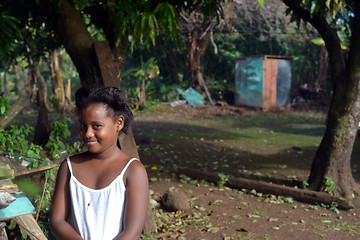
x=222, y=213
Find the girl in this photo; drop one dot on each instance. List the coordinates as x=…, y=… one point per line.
x=102, y=193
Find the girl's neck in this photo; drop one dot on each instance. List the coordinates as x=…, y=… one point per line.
x=109, y=154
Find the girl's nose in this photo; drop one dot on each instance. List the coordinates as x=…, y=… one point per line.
x=89, y=133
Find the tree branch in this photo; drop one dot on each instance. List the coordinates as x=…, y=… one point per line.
x=209, y=28
x=328, y=34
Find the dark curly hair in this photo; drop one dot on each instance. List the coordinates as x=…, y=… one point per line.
x=112, y=97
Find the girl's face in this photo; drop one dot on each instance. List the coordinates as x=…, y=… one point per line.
x=97, y=130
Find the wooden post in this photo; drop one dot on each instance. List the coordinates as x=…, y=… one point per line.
x=3, y=235
x=29, y=224
x=107, y=73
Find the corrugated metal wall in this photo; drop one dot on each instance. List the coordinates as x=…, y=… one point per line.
x=262, y=81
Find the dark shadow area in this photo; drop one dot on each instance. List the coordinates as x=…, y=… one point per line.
x=166, y=146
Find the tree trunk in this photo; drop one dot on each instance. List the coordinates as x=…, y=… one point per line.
x=197, y=40
x=52, y=72
x=76, y=39
x=196, y=48
x=323, y=65
x=25, y=81
x=171, y=57
x=19, y=88
x=79, y=44
x=43, y=126
x=104, y=18
x=4, y=85
x=333, y=157
x=68, y=102
x=33, y=91
x=59, y=87
x=119, y=50
x=143, y=92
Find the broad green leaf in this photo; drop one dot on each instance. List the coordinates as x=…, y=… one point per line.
x=262, y=3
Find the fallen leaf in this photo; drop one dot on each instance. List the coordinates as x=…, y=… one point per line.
x=213, y=229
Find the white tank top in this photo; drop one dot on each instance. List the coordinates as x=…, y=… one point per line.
x=97, y=213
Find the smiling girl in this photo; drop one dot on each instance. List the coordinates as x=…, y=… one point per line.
x=103, y=192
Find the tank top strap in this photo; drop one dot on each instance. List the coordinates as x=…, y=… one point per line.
x=126, y=166
x=69, y=165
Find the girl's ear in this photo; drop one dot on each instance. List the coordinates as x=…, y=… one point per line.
x=120, y=123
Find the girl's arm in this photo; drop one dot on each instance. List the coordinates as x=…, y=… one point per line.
x=59, y=213
x=137, y=201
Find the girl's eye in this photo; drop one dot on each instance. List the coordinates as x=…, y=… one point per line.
x=96, y=126
x=82, y=126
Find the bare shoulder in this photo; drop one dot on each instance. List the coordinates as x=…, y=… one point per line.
x=63, y=167
x=136, y=166
x=135, y=170
x=63, y=173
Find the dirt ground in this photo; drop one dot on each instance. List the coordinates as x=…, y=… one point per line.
x=218, y=212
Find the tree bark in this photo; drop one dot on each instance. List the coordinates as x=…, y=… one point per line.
x=68, y=102
x=59, y=85
x=43, y=126
x=104, y=18
x=52, y=72
x=323, y=65
x=4, y=85
x=19, y=88
x=197, y=39
x=171, y=57
x=333, y=157
x=77, y=41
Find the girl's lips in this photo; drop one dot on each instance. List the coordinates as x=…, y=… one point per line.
x=90, y=142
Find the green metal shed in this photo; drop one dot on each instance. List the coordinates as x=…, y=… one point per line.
x=262, y=81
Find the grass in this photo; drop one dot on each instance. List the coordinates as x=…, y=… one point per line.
x=264, y=134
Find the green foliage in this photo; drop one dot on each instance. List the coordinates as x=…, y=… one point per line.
x=30, y=188
x=322, y=6
x=344, y=37
x=223, y=179
x=134, y=77
x=55, y=144
x=334, y=208
x=329, y=186
x=44, y=200
x=23, y=233
x=168, y=20
x=4, y=106
x=13, y=140
x=144, y=25
x=9, y=31
x=305, y=184
x=25, y=27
